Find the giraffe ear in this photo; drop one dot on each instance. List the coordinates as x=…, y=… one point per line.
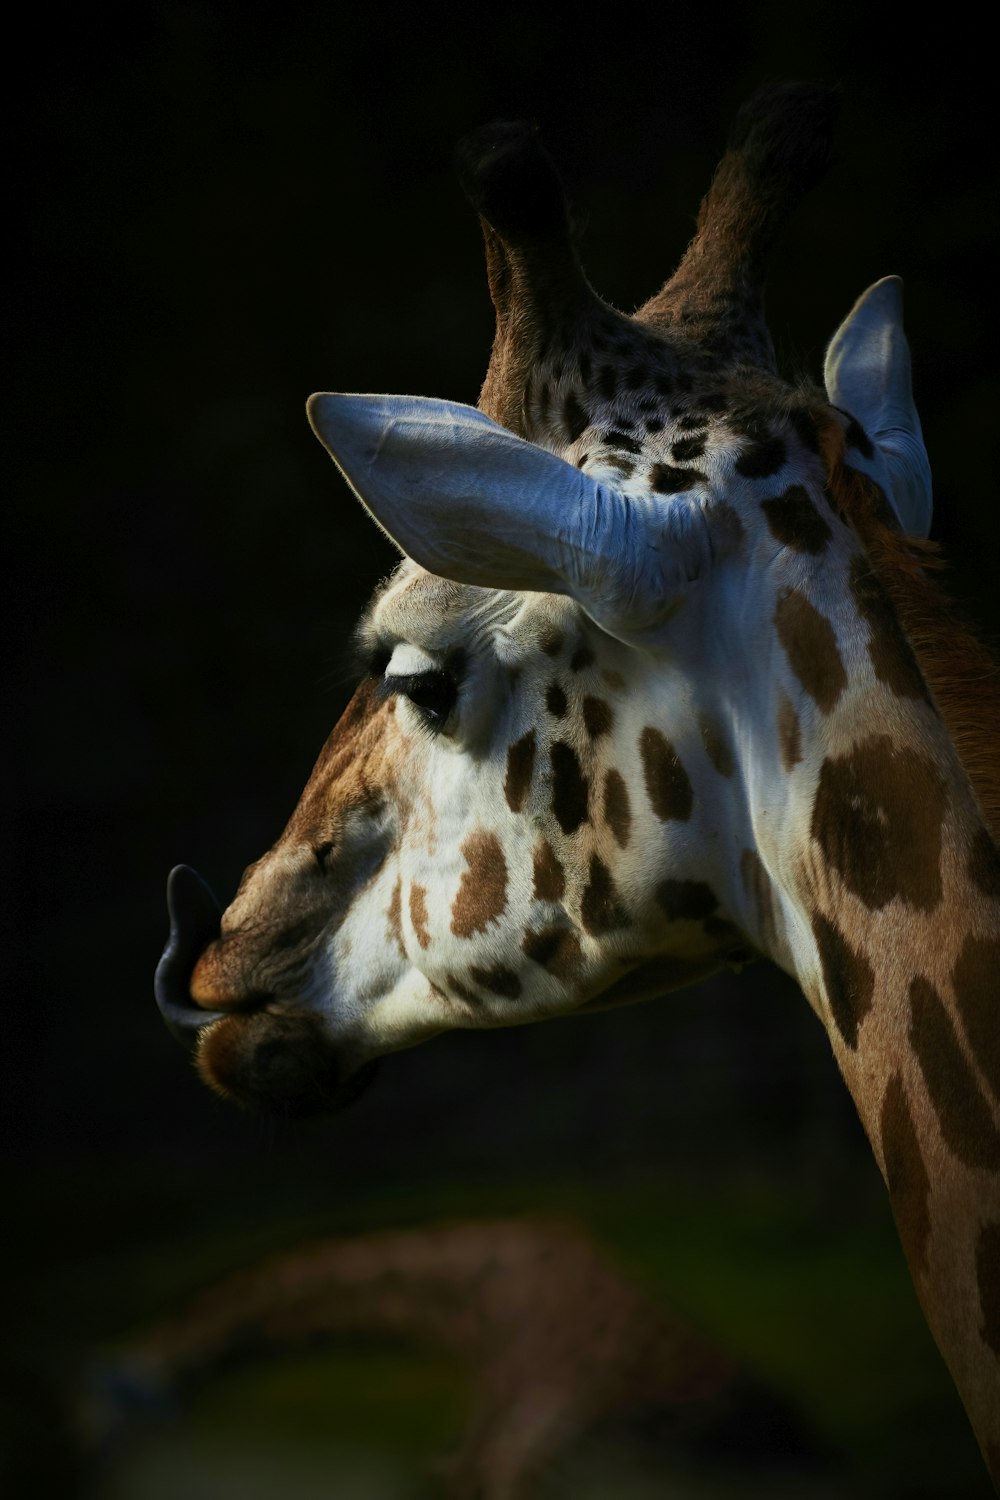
x=468, y=500
x=867, y=374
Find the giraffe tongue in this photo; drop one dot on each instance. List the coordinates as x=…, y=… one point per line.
x=194, y=923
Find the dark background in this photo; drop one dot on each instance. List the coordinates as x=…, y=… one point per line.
x=222, y=211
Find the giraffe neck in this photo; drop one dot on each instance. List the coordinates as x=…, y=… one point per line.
x=878, y=886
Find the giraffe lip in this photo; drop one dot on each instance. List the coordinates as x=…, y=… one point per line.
x=195, y=917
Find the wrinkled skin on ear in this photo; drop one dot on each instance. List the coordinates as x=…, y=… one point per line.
x=867, y=374
x=469, y=501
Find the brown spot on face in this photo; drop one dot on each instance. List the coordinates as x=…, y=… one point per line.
x=549, y=880
x=617, y=812
x=789, y=735
x=963, y=1113
x=582, y=658
x=624, y=466
x=667, y=783
x=395, y=915
x=551, y=641
x=848, y=978
x=482, y=894
x=905, y=1173
x=570, y=788
x=715, y=745
x=601, y=909
x=890, y=652
x=976, y=978
x=555, y=700
x=685, y=900
x=811, y=647
x=418, y=914
x=795, y=522
x=520, y=765
x=762, y=459
x=666, y=479
x=598, y=717
x=499, y=981
x=614, y=680
x=556, y=949
x=687, y=448
x=877, y=818
x=988, y=1277
x=984, y=864
x=624, y=441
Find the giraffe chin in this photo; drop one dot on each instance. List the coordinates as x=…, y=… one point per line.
x=280, y=1065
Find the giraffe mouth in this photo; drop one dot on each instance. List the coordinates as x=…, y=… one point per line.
x=195, y=918
x=276, y=1064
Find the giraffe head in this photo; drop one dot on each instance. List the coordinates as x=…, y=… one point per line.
x=548, y=792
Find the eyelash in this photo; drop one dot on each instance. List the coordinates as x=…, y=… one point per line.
x=432, y=693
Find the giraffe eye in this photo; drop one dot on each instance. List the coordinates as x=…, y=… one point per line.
x=433, y=693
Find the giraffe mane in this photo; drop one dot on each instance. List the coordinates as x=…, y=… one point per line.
x=961, y=673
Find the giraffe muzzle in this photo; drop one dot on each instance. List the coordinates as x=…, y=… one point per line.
x=195, y=916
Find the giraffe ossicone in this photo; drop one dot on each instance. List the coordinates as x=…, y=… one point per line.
x=660, y=683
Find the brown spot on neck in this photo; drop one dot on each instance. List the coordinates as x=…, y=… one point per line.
x=598, y=717
x=601, y=910
x=418, y=914
x=498, y=980
x=789, y=733
x=520, y=765
x=878, y=817
x=555, y=700
x=891, y=656
x=667, y=783
x=556, y=949
x=617, y=811
x=549, y=879
x=848, y=978
x=810, y=644
x=570, y=788
x=394, y=913
x=795, y=522
x=963, y=1113
x=482, y=894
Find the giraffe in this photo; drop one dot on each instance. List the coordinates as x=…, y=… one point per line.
x=662, y=683
x=555, y=1340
